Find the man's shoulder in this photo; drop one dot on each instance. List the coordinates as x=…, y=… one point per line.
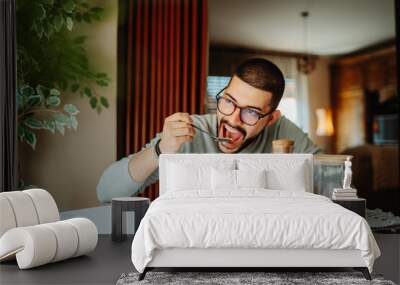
x=205, y=120
x=285, y=124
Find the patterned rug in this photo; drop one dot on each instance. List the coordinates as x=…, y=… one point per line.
x=243, y=278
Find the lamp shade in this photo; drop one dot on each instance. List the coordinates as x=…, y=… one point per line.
x=324, y=120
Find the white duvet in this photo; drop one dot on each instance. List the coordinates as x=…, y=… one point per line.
x=252, y=218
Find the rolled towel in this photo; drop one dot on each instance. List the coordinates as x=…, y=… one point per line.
x=37, y=245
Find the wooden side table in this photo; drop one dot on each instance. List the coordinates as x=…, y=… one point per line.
x=357, y=205
x=139, y=205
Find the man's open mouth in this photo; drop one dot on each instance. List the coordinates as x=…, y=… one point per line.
x=227, y=131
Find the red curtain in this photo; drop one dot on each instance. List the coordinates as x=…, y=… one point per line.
x=167, y=59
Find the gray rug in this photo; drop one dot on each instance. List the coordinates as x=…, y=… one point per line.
x=243, y=278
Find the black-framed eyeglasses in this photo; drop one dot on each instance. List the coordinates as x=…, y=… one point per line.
x=248, y=116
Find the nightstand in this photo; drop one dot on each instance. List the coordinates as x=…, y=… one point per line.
x=139, y=205
x=357, y=205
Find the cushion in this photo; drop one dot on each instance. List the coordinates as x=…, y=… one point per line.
x=40, y=244
x=183, y=178
x=27, y=208
x=23, y=208
x=31, y=232
x=281, y=174
x=236, y=179
x=188, y=176
x=7, y=218
x=223, y=179
x=251, y=178
x=46, y=207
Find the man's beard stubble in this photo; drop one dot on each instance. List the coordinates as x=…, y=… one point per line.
x=246, y=141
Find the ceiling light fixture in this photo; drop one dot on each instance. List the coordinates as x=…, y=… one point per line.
x=306, y=62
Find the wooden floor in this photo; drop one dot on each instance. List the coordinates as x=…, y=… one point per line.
x=102, y=266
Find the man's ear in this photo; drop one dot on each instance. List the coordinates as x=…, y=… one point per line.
x=273, y=117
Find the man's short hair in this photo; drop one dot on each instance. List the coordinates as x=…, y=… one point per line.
x=263, y=74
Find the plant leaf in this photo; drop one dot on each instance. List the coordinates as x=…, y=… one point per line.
x=102, y=82
x=21, y=132
x=39, y=30
x=71, y=109
x=60, y=118
x=53, y=101
x=104, y=101
x=27, y=91
x=39, y=12
x=74, y=87
x=50, y=125
x=101, y=75
x=74, y=122
x=35, y=100
x=41, y=90
x=93, y=102
x=69, y=6
x=69, y=23
x=33, y=123
x=60, y=128
x=87, y=91
x=54, y=92
x=58, y=22
x=68, y=122
x=30, y=138
x=20, y=101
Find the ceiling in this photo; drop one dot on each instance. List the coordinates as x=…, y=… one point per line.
x=334, y=26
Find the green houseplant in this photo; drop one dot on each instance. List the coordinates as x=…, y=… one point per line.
x=52, y=60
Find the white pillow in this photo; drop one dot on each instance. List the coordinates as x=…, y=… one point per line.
x=236, y=179
x=183, y=178
x=251, y=178
x=183, y=175
x=282, y=174
x=223, y=179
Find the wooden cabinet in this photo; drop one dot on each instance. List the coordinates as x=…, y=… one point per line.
x=356, y=84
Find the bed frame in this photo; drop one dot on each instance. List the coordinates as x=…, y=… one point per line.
x=245, y=259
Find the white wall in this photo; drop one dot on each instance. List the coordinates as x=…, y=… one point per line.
x=319, y=97
x=69, y=166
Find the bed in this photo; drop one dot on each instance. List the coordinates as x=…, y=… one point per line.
x=246, y=211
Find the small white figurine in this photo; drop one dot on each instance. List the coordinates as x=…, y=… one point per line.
x=347, y=174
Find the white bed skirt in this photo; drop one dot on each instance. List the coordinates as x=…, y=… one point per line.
x=193, y=257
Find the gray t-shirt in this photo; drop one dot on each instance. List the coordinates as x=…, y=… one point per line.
x=117, y=182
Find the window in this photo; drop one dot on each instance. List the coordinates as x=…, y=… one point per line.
x=214, y=85
x=288, y=104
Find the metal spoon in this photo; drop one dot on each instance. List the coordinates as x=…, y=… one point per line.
x=211, y=135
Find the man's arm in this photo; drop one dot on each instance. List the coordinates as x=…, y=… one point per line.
x=132, y=174
x=117, y=179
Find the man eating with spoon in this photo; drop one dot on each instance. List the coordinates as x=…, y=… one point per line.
x=247, y=121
